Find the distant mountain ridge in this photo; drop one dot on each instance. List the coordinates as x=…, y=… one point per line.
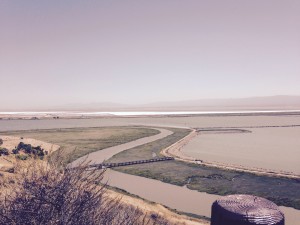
x=255, y=102
x=252, y=103
x=280, y=102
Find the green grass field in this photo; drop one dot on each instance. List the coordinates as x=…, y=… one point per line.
x=77, y=142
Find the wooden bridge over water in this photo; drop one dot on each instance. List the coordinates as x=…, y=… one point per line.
x=110, y=165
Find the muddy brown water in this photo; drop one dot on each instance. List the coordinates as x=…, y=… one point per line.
x=175, y=197
x=100, y=156
x=268, y=148
x=182, y=121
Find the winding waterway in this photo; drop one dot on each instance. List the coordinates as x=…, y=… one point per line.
x=175, y=197
x=100, y=156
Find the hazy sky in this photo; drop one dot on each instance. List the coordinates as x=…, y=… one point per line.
x=54, y=52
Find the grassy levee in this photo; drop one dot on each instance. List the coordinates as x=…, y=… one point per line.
x=146, y=151
x=77, y=142
x=282, y=191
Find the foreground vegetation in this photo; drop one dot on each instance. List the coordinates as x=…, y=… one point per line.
x=43, y=193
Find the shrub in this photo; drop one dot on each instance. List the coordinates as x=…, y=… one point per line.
x=4, y=151
x=46, y=194
x=28, y=149
x=15, y=151
x=22, y=157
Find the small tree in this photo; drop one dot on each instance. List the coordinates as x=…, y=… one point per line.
x=1, y=141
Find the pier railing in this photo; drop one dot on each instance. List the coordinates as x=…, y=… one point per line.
x=110, y=165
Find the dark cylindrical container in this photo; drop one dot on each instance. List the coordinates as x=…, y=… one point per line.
x=245, y=210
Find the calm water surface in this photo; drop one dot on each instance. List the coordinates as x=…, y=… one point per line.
x=176, y=197
x=268, y=148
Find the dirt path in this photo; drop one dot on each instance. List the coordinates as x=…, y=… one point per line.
x=174, y=150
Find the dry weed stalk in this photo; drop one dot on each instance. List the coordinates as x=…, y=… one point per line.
x=45, y=193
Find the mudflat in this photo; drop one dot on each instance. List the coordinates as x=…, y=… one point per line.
x=197, y=121
x=272, y=148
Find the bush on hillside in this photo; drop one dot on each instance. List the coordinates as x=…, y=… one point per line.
x=28, y=149
x=22, y=157
x=4, y=151
x=45, y=194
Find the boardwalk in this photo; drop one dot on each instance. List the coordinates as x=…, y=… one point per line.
x=110, y=165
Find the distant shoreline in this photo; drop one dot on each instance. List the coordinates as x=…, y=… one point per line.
x=86, y=114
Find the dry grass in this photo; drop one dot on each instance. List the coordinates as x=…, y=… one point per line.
x=77, y=142
x=47, y=193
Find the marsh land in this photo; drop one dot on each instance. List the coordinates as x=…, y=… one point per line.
x=263, y=129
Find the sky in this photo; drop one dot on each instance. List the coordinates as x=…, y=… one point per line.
x=82, y=51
